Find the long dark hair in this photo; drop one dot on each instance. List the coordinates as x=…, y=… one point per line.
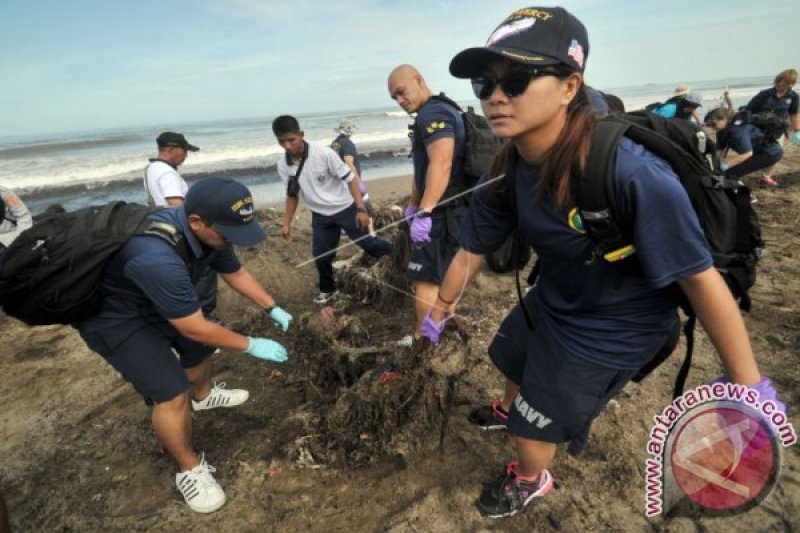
x=563, y=162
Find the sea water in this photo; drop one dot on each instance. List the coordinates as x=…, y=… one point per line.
x=76, y=169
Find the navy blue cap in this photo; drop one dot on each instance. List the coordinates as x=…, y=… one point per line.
x=228, y=205
x=536, y=36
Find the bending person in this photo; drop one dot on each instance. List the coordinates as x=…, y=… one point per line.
x=152, y=331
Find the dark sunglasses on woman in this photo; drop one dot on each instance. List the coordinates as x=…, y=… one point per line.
x=514, y=83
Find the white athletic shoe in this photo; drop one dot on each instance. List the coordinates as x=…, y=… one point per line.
x=221, y=397
x=325, y=297
x=199, y=488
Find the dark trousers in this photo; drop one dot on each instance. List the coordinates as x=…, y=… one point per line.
x=327, y=230
x=759, y=161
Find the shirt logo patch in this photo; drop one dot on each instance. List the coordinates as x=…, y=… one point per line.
x=433, y=126
x=574, y=221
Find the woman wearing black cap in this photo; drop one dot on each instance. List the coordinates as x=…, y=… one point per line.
x=592, y=325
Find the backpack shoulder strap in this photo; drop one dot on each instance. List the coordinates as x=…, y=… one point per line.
x=594, y=192
x=173, y=237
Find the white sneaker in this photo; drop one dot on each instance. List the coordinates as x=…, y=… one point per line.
x=406, y=342
x=221, y=397
x=325, y=297
x=199, y=488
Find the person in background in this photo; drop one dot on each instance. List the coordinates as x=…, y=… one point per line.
x=682, y=104
x=331, y=192
x=754, y=149
x=162, y=181
x=16, y=219
x=344, y=146
x=782, y=100
x=151, y=329
x=593, y=324
x=165, y=187
x=438, y=144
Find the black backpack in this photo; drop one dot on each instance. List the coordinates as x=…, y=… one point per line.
x=480, y=147
x=773, y=126
x=723, y=207
x=53, y=271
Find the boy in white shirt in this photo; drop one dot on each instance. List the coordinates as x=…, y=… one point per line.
x=331, y=193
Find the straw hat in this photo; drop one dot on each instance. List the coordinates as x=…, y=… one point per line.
x=681, y=90
x=346, y=126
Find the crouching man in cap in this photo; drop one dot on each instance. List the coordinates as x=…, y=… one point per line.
x=151, y=313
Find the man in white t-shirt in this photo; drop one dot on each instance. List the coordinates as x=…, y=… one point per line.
x=165, y=187
x=163, y=183
x=331, y=193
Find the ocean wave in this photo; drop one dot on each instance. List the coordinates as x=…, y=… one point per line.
x=395, y=114
x=47, y=148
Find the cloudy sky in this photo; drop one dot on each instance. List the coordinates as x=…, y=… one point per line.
x=85, y=64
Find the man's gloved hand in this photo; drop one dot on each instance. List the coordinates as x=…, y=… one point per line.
x=266, y=349
x=796, y=138
x=431, y=329
x=766, y=391
x=281, y=318
x=421, y=231
x=409, y=212
x=723, y=166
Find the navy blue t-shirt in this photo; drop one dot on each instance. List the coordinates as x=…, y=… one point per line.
x=436, y=120
x=343, y=146
x=768, y=101
x=592, y=309
x=147, y=280
x=746, y=138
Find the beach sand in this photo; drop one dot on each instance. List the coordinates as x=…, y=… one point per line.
x=79, y=455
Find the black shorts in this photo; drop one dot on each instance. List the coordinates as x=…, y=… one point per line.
x=146, y=359
x=430, y=262
x=560, y=394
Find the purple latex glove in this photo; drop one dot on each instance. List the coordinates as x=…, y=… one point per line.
x=766, y=391
x=431, y=330
x=421, y=231
x=409, y=212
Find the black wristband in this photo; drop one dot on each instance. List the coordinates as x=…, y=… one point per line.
x=422, y=214
x=361, y=210
x=271, y=308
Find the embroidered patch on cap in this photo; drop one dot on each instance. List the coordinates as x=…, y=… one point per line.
x=511, y=28
x=244, y=208
x=575, y=51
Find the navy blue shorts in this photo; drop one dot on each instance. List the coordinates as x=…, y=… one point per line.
x=560, y=394
x=146, y=359
x=430, y=262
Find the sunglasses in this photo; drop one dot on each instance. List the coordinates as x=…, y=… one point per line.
x=513, y=83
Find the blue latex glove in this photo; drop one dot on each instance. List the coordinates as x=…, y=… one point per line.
x=266, y=349
x=766, y=391
x=409, y=212
x=723, y=166
x=281, y=318
x=421, y=231
x=431, y=329
x=796, y=138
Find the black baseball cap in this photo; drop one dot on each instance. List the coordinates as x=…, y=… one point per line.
x=170, y=138
x=536, y=36
x=228, y=205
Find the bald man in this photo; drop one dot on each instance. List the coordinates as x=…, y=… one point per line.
x=437, y=147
